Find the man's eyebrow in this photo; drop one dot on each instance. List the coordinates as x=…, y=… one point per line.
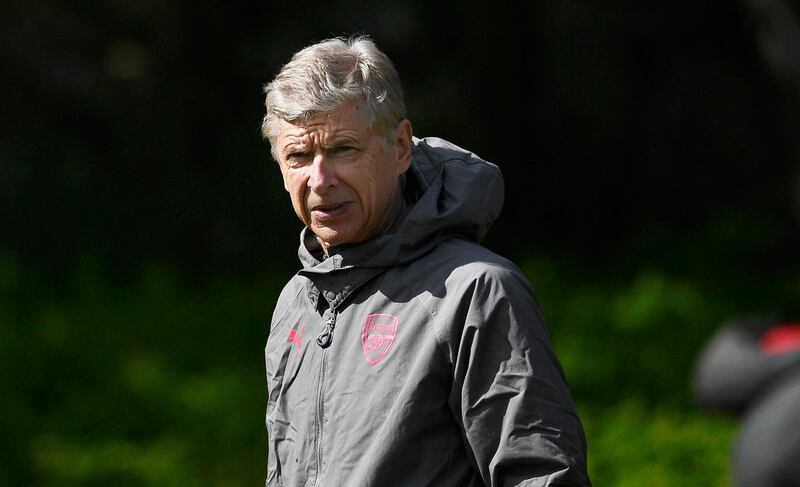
x=294, y=146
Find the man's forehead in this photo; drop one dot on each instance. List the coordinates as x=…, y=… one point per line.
x=348, y=120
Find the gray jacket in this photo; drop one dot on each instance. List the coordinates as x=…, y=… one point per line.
x=439, y=370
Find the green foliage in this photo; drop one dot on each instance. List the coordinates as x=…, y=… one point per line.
x=632, y=444
x=158, y=381
x=153, y=382
x=628, y=347
x=629, y=338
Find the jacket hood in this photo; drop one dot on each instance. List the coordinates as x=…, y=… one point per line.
x=449, y=192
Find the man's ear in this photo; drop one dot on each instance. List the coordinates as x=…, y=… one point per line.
x=402, y=145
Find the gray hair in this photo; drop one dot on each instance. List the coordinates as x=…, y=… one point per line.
x=325, y=76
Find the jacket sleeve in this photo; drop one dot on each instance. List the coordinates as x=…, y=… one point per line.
x=509, y=394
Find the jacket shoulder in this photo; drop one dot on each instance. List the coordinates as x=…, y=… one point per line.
x=469, y=261
x=459, y=267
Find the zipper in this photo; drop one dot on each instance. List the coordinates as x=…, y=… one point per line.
x=324, y=340
x=319, y=417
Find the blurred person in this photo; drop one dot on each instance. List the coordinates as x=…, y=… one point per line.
x=751, y=367
x=403, y=352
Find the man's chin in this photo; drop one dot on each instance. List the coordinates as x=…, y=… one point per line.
x=329, y=237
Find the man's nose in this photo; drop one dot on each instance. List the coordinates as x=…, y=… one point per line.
x=323, y=174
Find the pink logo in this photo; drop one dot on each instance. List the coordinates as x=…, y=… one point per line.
x=377, y=336
x=296, y=336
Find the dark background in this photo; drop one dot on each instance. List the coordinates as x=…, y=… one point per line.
x=651, y=152
x=130, y=129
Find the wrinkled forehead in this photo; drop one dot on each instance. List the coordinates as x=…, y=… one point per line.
x=349, y=120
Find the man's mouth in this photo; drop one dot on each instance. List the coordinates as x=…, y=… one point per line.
x=331, y=211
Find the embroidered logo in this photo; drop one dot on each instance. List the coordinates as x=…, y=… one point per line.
x=377, y=336
x=296, y=336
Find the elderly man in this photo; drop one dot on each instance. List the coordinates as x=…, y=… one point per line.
x=403, y=353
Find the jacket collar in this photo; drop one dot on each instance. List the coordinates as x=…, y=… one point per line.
x=331, y=278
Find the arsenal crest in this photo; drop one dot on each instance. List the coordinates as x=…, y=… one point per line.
x=377, y=336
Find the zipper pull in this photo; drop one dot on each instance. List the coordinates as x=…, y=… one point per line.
x=325, y=338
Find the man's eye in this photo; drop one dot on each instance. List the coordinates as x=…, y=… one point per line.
x=296, y=157
x=344, y=149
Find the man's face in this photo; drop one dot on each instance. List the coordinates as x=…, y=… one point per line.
x=342, y=179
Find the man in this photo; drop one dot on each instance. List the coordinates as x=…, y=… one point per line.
x=403, y=353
